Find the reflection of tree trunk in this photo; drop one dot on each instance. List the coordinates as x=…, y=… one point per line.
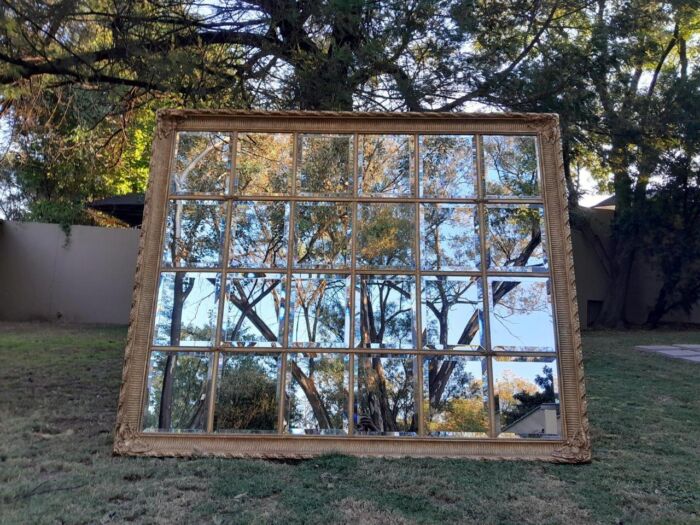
x=200, y=410
x=438, y=378
x=311, y=392
x=181, y=289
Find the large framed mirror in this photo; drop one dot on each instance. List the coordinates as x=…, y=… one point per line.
x=363, y=283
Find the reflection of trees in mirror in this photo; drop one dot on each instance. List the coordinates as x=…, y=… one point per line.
x=455, y=398
x=511, y=166
x=386, y=235
x=385, y=395
x=385, y=165
x=264, y=163
x=202, y=163
x=259, y=234
x=449, y=237
x=515, y=238
x=450, y=304
x=254, y=310
x=319, y=312
x=447, y=166
x=178, y=390
x=317, y=393
x=322, y=234
x=518, y=396
x=325, y=164
x=194, y=234
x=386, y=312
x=246, y=398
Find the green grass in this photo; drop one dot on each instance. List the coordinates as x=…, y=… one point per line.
x=58, y=391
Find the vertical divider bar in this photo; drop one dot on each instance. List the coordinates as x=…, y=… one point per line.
x=418, y=394
x=288, y=288
x=353, y=260
x=228, y=206
x=481, y=186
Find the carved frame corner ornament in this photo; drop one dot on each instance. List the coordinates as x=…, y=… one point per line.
x=574, y=445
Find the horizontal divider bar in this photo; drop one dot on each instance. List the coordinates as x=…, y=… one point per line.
x=365, y=271
x=392, y=351
x=350, y=199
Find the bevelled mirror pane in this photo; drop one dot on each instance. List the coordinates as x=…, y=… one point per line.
x=194, y=234
x=264, y=163
x=259, y=234
x=320, y=316
x=455, y=396
x=511, y=166
x=385, y=311
x=325, y=165
x=452, y=312
x=254, y=310
x=385, y=402
x=515, y=238
x=520, y=314
x=317, y=394
x=246, y=393
x=202, y=163
x=449, y=237
x=187, y=307
x=526, y=392
x=386, y=235
x=322, y=234
x=385, y=165
x=177, y=397
x=447, y=167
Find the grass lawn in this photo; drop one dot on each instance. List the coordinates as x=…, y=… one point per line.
x=58, y=392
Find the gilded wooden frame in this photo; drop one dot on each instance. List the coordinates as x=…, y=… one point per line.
x=573, y=447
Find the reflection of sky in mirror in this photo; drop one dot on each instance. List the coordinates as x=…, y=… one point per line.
x=194, y=233
x=385, y=312
x=259, y=234
x=511, y=231
x=202, y=163
x=511, y=166
x=525, y=368
x=449, y=237
x=457, y=301
x=320, y=315
x=522, y=319
x=254, y=309
x=199, y=309
x=327, y=381
x=385, y=165
x=447, y=166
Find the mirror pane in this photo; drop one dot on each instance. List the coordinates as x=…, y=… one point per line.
x=386, y=235
x=385, y=165
x=317, y=394
x=520, y=314
x=188, y=304
x=194, y=233
x=447, y=166
x=254, y=310
x=527, y=397
x=322, y=234
x=449, y=237
x=515, y=238
x=178, y=392
x=246, y=393
x=385, y=395
x=452, y=312
x=264, y=163
x=259, y=234
x=511, y=166
x=320, y=314
x=455, y=396
x=202, y=163
x=385, y=311
x=325, y=165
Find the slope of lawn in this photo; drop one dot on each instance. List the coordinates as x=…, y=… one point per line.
x=58, y=390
